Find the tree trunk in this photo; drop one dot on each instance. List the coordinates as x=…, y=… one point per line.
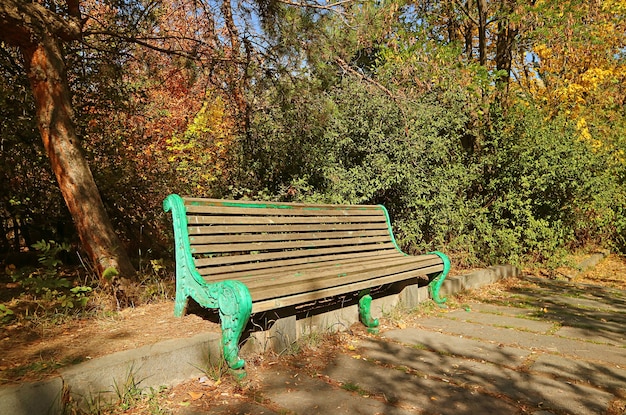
x=38, y=33
x=504, y=47
x=482, y=31
x=48, y=81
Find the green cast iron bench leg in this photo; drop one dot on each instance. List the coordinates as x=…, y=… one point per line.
x=436, y=283
x=234, y=304
x=365, y=312
x=365, y=303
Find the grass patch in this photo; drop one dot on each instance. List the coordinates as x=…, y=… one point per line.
x=353, y=387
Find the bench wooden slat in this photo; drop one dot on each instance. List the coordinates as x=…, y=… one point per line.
x=243, y=270
x=270, y=237
x=290, y=211
x=281, y=220
x=273, y=303
x=273, y=256
x=198, y=201
x=272, y=246
x=212, y=273
x=270, y=228
x=287, y=283
x=271, y=273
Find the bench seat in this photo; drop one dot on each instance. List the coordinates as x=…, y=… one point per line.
x=291, y=285
x=250, y=257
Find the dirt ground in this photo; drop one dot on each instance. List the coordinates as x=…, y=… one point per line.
x=36, y=351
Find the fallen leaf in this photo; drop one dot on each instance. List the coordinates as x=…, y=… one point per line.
x=195, y=395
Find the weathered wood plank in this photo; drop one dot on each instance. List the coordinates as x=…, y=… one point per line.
x=273, y=256
x=283, y=237
x=288, y=283
x=292, y=211
x=261, y=304
x=281, y=220
x=272, y=246
x=237, y=271
x=217, y=272
x=346, y=269
x=271, y=228
x=196, y=201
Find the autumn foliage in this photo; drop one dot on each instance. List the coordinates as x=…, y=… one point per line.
x=492, y=129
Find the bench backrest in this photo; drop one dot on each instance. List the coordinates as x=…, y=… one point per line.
x=228, y=238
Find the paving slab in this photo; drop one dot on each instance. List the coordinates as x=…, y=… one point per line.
x=504, y=310
x=573, y=294
x=590, y=319
x=582, y=303
x=229, y=407
x=594, y=335
x=501, y=320
x=302, y=394
x=519, y=385
x=425, y=362
x=444, y=344
x=610, y=378
x=424, y=394
x=532, y=341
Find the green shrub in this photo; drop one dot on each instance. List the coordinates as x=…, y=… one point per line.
x=509, y=186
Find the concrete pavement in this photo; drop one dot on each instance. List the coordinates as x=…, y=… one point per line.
x=555, y=348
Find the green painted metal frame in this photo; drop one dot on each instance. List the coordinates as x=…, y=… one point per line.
x=435, y=283
x=231, y=298
x=365, y=312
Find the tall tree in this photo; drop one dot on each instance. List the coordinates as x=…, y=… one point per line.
x=39, y=32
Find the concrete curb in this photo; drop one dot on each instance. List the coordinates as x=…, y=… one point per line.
x=453, y=285
x=166, y=363
x=588, y=264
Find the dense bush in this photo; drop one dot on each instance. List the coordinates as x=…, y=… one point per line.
x=524, y=189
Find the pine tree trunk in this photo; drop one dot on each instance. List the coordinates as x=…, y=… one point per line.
x=38, y=33
x=48, y=80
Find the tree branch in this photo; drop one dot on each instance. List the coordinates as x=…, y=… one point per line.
x=146, y=42
x=344, y=65
x=330, y=7
x=466, y=12
x=22, y=23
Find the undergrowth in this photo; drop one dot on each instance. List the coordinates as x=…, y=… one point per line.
x=51, y=292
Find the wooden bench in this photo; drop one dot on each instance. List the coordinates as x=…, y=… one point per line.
x=248, y=257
